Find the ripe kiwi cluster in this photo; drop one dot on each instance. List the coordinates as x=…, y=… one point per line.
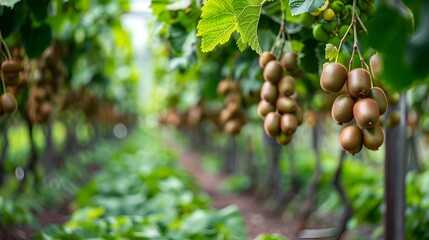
x=43, y=96
x=10, y=77
x=282, y=113
x=362, y=103
x=232, y=117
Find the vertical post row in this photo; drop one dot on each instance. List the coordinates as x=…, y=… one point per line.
x=395, y=171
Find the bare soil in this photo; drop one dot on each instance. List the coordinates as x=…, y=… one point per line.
x=257, y=219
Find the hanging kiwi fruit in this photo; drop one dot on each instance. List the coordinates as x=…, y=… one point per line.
x=363, y=103
x=282, y=114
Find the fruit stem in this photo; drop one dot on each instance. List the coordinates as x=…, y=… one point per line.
x=343, y=39
x=281, y=34
x=361, y=23
x=3, y=85
x=356, y=40
x=9, y=56
x=282, y=29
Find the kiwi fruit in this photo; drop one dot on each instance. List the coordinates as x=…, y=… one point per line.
x=373, y=138
x=10, y=72
x=225, y=115
x=287, y=86
x=378, y=95
x=333, y=77
x=358, y=83
x=289, y=61
x=265, y=58
x=8, y=103
x=288, y=123
x=286, y=105
x=351, y=139
x=273, y=72
x=342, y=109
x=394, y=119
x=264, y=108
x=393, y=98
x=366, y=112
x=272, y=124
x=299, y=113
x=233, y=126
x=46, y=108
x=233, y=98
x=283, y=139
x=269, y=92
x=376, y=65
x=224, y=87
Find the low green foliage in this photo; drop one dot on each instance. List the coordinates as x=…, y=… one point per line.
x=12, y=213
x=141, y=193
x=270, y=237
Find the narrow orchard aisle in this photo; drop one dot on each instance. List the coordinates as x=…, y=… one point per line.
x=257, y=220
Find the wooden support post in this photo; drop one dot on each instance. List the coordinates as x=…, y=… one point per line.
x=395, y=171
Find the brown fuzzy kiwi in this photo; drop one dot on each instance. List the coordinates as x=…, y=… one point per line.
x=273, y=72
x=226, y=114
x=10, y=72
x=333, y=77
x=288, y=123
x=366, y=112
x=233, y=126
x=287, y=86
x=290, y=61
x=265, y=58
x=394, y=119
x=342, y=109
x=393, y=98
x=376, y=65
x=8, y=103
x=351, y=139
x=379, y=96
x=233, y=98
x=224, y=87
x=299, y=113
x=272, y=124
x=286, y=105
x=373, y=138
x=265, y=107
x=358, y=83
x=284, y=139
x=269, y=92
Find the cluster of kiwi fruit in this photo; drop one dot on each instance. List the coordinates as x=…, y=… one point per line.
x=282, y=113
x=232, y=116
x=44, y=94
x=330, y=22
x=362, y=103
x=10, y=77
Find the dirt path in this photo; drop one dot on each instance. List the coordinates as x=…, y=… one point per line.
x=257, y=220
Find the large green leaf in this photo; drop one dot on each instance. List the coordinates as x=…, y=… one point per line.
x=302, y=6
x=388, y=33
x=8, y=3
x=248, y=13
x=36, y=39
x=217, y=23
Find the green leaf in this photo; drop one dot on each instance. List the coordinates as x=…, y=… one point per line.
x=302, y=6
x=241, y=45
x=386, y=25
x=248, y=13
x=8, y=3
x=331, y=52
x=217, y=23
x=37, y=39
